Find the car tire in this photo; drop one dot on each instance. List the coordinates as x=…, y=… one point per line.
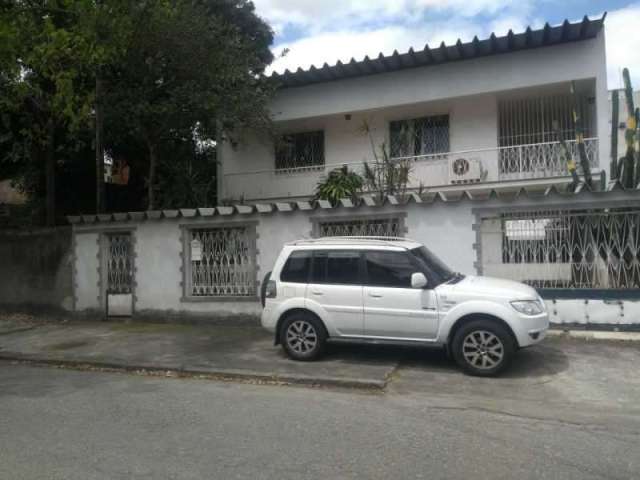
x=483, y=348
x=303, y=337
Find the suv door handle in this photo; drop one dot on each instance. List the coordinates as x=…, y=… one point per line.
x=375, y=295
x=316, y=292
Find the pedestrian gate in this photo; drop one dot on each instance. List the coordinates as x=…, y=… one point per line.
x=119, y=274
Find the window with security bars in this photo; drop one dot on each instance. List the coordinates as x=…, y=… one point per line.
x=222, y=262
x=377, y=227
x=419, y=136
x=527, y=136
x=299, y=151
x=571, y=249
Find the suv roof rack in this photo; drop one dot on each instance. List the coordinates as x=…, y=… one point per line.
x=373, y=239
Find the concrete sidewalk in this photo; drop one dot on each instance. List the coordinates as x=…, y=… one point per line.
x=221, y=351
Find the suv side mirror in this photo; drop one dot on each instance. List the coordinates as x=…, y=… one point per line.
x=418, y=280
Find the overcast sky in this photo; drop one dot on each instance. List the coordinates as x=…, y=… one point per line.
x=318, y=31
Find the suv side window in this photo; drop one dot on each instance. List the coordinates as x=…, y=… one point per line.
x=389, y=269
x=340, y=267
x=296, y=268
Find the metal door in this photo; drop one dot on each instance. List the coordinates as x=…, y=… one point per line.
x=119, y=274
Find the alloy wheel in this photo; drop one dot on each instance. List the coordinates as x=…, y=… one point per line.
x=482, y=349
x=301, y=337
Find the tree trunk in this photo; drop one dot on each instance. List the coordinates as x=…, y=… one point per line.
x=152, y=175
x=50, y=176
x=100, y=197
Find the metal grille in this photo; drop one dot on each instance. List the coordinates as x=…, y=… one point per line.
x=222, y=262
x=119, y=263
x=572, y=249
x=542, y=159
x=378, y=227
x=300, y=151
x=529, y=121
x=419, y=136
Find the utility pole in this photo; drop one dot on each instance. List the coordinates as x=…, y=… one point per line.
x=100, y=200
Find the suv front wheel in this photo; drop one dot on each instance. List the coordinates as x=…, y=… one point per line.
x=483, y=348
x=303, y=337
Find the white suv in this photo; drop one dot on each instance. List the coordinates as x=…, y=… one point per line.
x=395, y=291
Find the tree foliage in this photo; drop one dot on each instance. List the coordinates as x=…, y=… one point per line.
x=168, y=67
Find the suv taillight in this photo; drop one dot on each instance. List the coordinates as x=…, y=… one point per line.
x=271, y=291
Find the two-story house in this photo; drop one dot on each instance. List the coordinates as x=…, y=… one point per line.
x=490, y=102
x=479, y=124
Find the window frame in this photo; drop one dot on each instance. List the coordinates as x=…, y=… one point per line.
x=296, y=168
x=187, y=296
x=438, y=154
x=328, y=250
x=412, y=261
x=317, y=221
x=308, y=252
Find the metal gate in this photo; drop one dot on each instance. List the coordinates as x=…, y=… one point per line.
x=119, y=274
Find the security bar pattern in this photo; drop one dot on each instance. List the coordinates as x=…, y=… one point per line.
x=222, y=262
x=540, y=160
x=419, y=136
x=119, y=263
x=574, y=249
x=523, y=121
x=378, y=227
x=300, y=151
x=528, y=124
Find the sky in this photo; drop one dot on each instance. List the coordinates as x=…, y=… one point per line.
x=319, y=31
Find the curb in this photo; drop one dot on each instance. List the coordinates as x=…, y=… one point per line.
x=219, y=374
x=596, y=335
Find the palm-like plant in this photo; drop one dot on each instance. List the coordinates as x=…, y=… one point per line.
x=385, y=176
x=339, y=183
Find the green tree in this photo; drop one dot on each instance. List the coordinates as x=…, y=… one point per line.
x=50, y=51
x=190, y=63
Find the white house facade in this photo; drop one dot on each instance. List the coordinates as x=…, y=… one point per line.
x=489, y=192
x=491, y=103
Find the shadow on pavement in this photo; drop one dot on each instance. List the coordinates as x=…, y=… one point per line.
x=537, y=361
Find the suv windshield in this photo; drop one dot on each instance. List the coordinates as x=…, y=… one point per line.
x=439, y=271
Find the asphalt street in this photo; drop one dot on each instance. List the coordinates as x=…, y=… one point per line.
x=65, y=424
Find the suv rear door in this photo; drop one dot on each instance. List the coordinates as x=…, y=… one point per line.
x=392, y=309
x=336, y=287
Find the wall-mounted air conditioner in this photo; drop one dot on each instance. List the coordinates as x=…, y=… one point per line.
x=464, y=170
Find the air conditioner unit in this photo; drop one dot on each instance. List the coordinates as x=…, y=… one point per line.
x=464, y=170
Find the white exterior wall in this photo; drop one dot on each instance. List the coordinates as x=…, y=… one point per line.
x=467, y=90
x=446, y=228
x=86, y=272
x=158, y=257
x=472, y=125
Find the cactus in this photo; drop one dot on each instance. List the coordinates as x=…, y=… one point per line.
x=636, y=148
x=566, y=154
x=613, y=168
x=577, y=125
x=630, y=134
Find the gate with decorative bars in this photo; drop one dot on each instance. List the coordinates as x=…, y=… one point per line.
x=565, y=249
x=118, y=265
x=387, y=226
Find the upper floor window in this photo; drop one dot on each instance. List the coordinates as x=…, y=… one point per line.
x=419, y=136
x=300, y=150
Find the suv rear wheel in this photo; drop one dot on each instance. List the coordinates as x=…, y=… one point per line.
x=303, y=337
x=483, y=348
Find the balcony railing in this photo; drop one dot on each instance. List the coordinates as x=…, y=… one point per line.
x=520, y=162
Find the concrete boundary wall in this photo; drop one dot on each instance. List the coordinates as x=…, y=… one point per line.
x=36, y=269
x=447, y=225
